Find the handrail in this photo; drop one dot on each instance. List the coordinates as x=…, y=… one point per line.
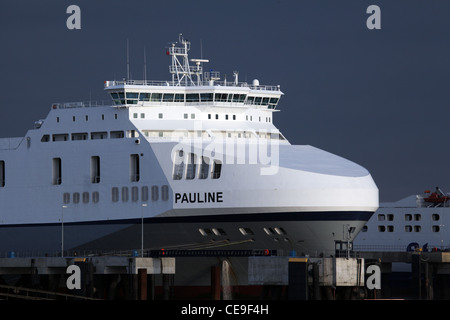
x=203, y=83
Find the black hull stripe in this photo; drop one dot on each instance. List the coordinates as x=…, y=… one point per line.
x=273, y=216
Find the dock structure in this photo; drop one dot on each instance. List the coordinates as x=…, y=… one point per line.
x=105, y=271
x=269, y=275
x=426, y=275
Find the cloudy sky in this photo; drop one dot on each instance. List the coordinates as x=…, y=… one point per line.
x=380, y=98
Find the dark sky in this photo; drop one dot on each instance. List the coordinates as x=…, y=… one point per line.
x=380, y=98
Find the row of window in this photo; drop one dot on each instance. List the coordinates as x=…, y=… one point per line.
x=95, y=176
x=86, y=118
x=244, y=231
x=122, y=194
x=120, y=98
x=407, y=228
x=188, y=168
x=407, y=216
x=210, y=116
x=78, y=136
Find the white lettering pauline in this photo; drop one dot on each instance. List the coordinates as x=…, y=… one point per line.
x=199, y=197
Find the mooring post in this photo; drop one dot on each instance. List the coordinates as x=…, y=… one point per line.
x=142, y=283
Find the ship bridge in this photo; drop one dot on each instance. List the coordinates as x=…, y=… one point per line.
x=191, y=86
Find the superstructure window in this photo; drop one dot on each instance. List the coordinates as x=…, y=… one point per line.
x=132, y=97
x=155, y=193
x=206, y=97
x=179, y=97
x=95, y=169
x=134, y=194
x=56, y=171
x=221, y=97
x=191, y=166
x=156, y=97
x=144, y=193
x=178, y=167
x=239, y=98
x=144, y=96
x=216, y=170
x=2, y=173
x=192, y=97
x=168, y=97
x=165, y=192
x=115, y=194
x=204, y=168
x=134, y=168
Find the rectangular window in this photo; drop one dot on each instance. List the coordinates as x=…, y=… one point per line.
x=178, y=167
x=206, y=97
x=56, y=171
x=191, y=166
x=134, y=194
x=134, y=167
x=2, y=173
x=125, y=194
x=168, y=97
x=179, y=97
x=85, y=197
x=95, y=197
x=217, y=169
x=66, y=197
x=144, y=193
x=115, y=194
x=155, y=193
x=204, y=168
x=117, y=134
x=79, y=136
x=144, y=96
x=192, y=97
x=99, y=135
x=156, y=97
x=165, y=193
x=95, y=169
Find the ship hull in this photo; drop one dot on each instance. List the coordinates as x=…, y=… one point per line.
x=303, y=232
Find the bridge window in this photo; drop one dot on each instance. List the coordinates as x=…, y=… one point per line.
x=132, y=97
x=192, y=97
x=239, y=98
x=144, y=96
x=206, y=97
x=179, y=97
x=156, y=97
x=168, y=97
x=221, y=97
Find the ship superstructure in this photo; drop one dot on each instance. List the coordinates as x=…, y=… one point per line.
x=191, y=162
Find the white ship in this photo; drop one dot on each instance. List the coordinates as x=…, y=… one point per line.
x=192, y=162
x=415, y=222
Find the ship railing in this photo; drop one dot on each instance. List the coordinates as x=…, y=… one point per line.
x=395, y=248
x=81, y=104
x=189, y=84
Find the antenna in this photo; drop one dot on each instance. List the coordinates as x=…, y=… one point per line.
x=201, y=49
x=145, y=66
x=128, y=62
